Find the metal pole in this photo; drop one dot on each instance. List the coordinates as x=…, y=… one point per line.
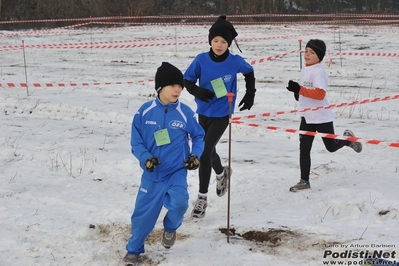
x=339, y=40
x=300, y=54
x=26, y=75
x=230, y=96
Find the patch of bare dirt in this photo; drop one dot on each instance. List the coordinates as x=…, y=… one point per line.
x=274, y=241
x=116, y=235
x=280, y=240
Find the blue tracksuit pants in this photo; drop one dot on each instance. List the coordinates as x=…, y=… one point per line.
x=172, y=194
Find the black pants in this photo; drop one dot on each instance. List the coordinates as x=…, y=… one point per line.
x=214, y=129
x=305, y=144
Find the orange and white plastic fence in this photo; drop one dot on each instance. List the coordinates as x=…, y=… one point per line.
x=323, y=135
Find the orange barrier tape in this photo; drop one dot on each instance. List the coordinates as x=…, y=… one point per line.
x=91, y=46
x=269, y=114
x=323, y=135
x=109, y=44
x=70, y=84
x=66, y=45
x=262, y=60
x=366, y=54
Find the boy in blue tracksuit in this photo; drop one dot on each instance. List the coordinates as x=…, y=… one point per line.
x=161, y=130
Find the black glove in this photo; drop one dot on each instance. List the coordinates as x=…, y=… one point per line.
x=203, y=94
x=151, y=163
x=296, y=96
x=192, y=162
x=247, y=101
x=200, y=93
x=293, y=86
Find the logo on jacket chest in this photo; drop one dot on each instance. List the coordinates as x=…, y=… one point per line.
x=176, y=124
x=227, y=78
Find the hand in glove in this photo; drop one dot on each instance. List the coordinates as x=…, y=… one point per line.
x=247, y=101
x=293, y=86
x=202, y=94
x=151, y=163
x=296, y=96
x=192, y=162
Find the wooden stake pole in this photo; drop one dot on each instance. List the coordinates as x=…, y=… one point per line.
x=26, y=74
x=230, y=96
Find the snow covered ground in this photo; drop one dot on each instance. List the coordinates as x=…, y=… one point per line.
x=68, y=179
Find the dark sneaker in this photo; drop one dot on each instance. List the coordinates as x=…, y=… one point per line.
x=199, y=207
x=221, y=184
x=302, y=184
x=168, y=239
x=132, y=259
x=356, y=146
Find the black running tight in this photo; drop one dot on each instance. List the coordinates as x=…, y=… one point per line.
x=214, y=129
x=305, y=144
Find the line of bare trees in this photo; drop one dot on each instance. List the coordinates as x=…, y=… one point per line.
x=50, y=9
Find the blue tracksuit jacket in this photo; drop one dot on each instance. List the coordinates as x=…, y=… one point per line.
x=205, y=70
x=180, y=122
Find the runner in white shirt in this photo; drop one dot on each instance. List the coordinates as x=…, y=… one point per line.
x=311, y=92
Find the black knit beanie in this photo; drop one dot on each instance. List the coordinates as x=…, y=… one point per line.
x=223, y=28
x=168, y=74
x=318, y=46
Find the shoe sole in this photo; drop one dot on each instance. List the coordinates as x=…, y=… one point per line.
x=222, y=194
x=132, y=264
x=359, y=146
x=294, y=189
x=143, y=261
x=199, y=216
x=140, y=261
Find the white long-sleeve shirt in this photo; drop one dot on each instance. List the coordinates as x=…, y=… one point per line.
x=313, y=77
